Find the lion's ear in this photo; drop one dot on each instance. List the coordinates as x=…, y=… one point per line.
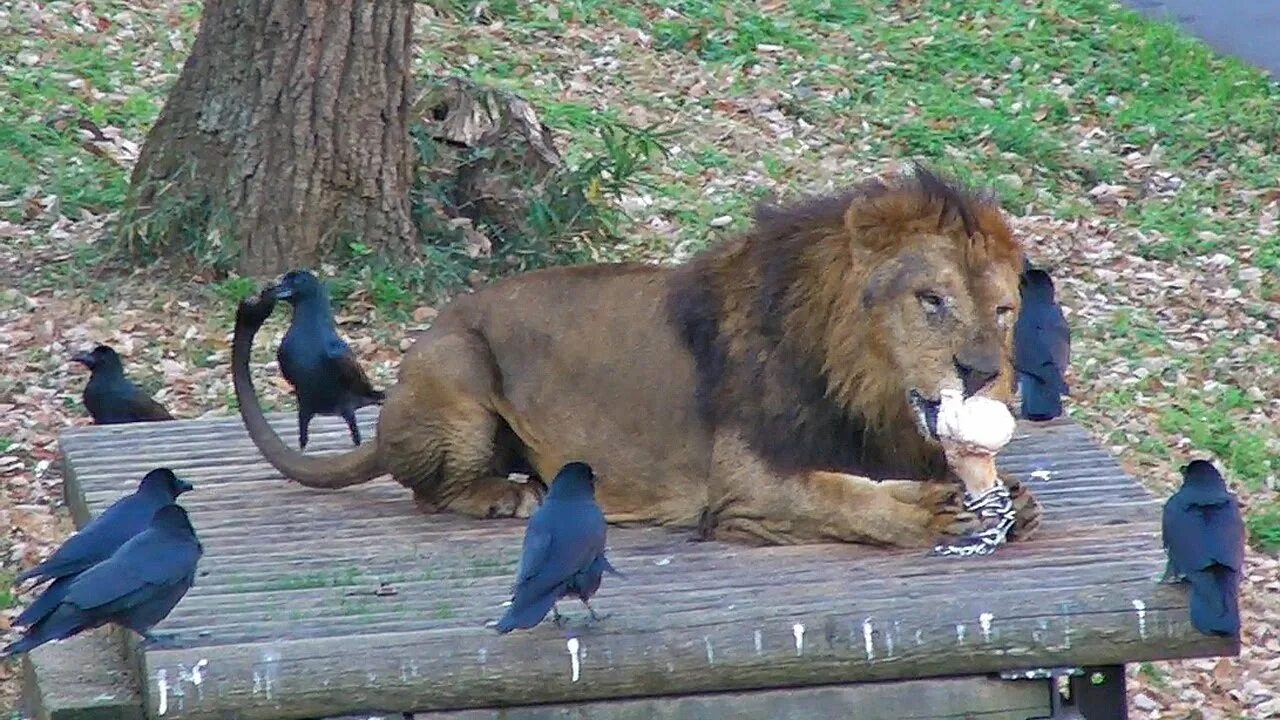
x=991, y=223
x=878, y=217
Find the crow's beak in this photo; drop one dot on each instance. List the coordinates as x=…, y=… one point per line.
x=281, y=291
x=184, y=486
x=84, y=358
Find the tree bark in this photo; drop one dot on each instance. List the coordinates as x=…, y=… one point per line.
x=285, y=137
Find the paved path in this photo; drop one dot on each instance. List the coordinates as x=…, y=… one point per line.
x=1248, y=29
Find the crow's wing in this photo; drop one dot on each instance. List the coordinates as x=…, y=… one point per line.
x=1225, y=534
x=1184, y=534
x=343, y=361
x=149, y=561
x=564, y=543
x=95, y=542
x=534, y=552
x=48, y=601
x=1042, y=343
x=140, y=406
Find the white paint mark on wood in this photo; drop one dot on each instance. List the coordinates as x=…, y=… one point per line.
x=959, y=633
x=179, y=692
x=866, y=639
x=759, y=642
x=798, y=631
x=984, y=620
x=1041, y=474
x=162, y=689
x=663, y=561
x=1141, y=607
x=919, y=638
x=711, y=654
x=889, y=639
x=483, y=656
x=574, y=660
x=269, y=671
x=195, y=676
x=1039, y=635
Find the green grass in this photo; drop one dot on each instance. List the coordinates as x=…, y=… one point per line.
x=7, y=597
x=1155, y=674
x=340, y=578
x=980, y=77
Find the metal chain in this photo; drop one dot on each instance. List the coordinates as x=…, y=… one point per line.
x=996, y=503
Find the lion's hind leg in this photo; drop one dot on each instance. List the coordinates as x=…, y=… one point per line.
x=444, y=442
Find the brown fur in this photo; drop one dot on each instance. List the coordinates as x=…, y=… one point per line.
x=758, y=392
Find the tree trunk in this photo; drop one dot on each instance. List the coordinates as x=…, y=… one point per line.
x=284, y=138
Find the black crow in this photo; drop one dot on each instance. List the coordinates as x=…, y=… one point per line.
x=136, y=587
x=1041, y=347
x=318, y=364
x=563, y=552
x=1203, y=535
x=95, y=542
x=110, y=396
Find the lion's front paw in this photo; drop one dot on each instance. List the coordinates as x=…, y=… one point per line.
x=1027, y=511
x=945, y=502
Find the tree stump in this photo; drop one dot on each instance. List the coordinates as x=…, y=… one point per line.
x=489, y=166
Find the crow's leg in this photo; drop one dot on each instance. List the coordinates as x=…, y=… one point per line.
x=350, y=416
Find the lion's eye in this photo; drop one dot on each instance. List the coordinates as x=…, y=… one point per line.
x=930, y=300
x=1004, y=311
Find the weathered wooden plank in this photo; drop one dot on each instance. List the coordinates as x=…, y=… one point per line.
x=942, y=699
x=464, y=602
x=642, y=655
x=82, y=678
x=284, y=618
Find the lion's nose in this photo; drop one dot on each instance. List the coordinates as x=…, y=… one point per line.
x=976, y=371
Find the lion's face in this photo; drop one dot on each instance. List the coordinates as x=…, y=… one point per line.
x=946, y=322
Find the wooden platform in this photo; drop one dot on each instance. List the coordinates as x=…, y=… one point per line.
x=288, y=621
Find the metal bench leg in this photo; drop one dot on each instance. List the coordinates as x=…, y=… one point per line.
x=1098, y=693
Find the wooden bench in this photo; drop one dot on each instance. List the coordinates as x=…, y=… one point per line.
x=315, y=604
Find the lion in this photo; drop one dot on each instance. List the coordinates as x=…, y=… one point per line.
x=781, y=387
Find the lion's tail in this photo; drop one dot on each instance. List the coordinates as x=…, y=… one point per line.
x=324, y=471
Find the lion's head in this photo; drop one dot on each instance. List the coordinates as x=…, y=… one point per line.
x=935, y=272
x=832, y=328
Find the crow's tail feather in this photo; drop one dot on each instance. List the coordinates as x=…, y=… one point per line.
x=1214, y=603
x=528, y=615
x=45, y=604
x=1039, y=401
